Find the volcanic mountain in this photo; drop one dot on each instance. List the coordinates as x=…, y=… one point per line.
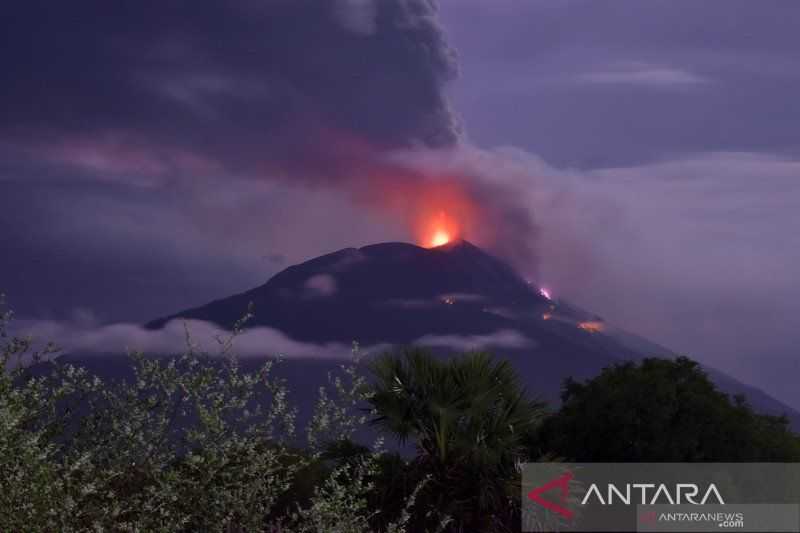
x=452, y=298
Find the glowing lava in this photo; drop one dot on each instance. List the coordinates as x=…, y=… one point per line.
x=544, y=292
x=592, y=326
x=439, y=230
x=440, y=237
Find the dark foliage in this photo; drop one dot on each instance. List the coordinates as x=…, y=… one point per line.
x=662, y=410
x=468, y=418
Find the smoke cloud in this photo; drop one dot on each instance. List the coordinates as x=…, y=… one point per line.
x=278, y=85
x=312, y=93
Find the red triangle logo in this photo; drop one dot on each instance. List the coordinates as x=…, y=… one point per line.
x=561, y=482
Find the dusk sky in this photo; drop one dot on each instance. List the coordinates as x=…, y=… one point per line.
x=640, y=159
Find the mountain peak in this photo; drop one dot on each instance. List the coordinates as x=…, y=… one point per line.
x=456, y=244
x=398, y=246
x=351, y=287
x=462, y=246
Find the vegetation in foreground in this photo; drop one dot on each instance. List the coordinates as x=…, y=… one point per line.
x=195, y=443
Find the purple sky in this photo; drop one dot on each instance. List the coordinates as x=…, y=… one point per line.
x=639, y=158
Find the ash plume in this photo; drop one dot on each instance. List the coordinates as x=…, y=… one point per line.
x=152, y=109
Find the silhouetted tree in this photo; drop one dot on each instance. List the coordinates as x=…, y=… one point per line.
x=468, y=418
x=662, y=410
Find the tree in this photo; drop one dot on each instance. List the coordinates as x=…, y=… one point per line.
x=662, y=410
x=468, y=418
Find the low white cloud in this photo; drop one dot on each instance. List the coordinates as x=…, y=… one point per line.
x=88, y=338
x=83, y=337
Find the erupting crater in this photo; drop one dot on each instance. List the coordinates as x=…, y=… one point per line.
x=438, y=231
x=440, y=238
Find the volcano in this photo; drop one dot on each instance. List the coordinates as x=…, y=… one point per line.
x=452, y=298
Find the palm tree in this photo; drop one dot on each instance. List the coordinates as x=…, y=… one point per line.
x=469, y=417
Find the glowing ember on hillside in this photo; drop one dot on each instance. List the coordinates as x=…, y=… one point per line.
x=592, y=326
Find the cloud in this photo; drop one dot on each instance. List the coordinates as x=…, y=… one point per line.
x=746, y=57
x=506, y=338
x=256, y=87
x=643, y=74
x=86, y=338
x=119, y=157
x=694, y=253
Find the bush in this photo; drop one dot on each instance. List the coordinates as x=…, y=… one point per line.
x=191, y=443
